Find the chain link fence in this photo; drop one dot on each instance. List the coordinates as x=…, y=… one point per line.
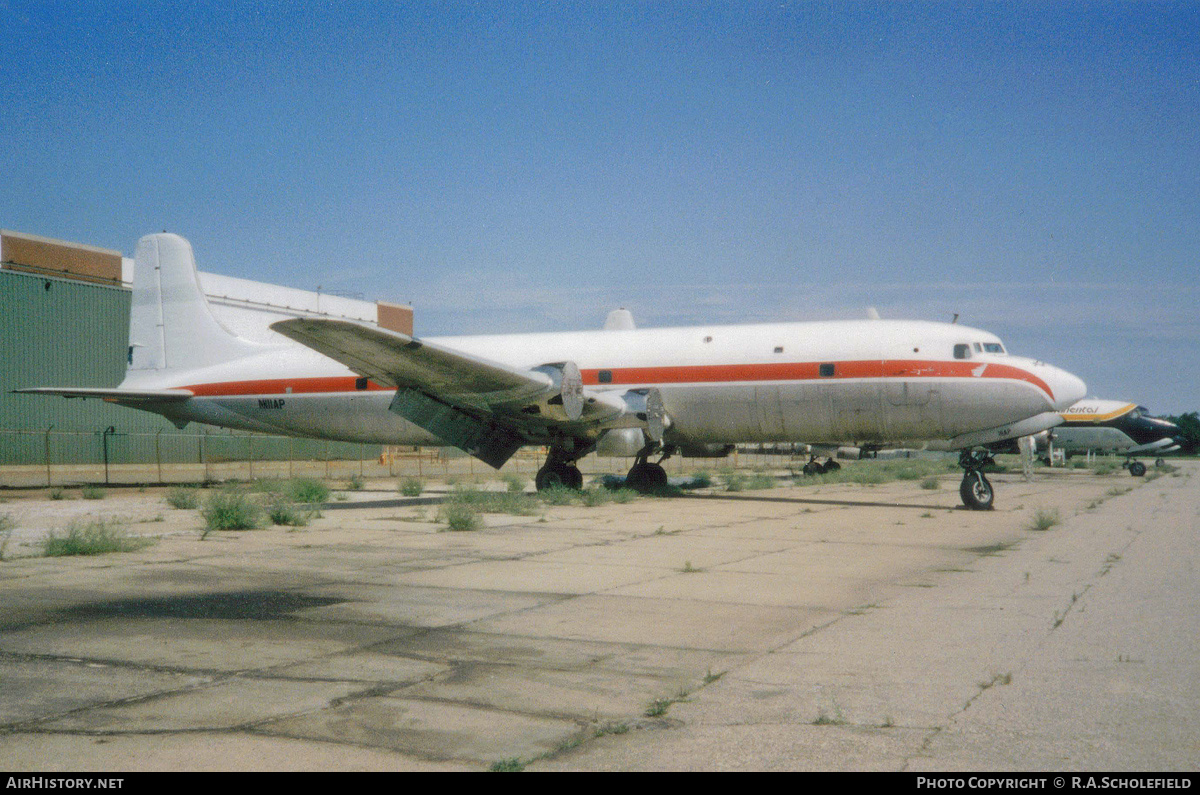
x=66, y=458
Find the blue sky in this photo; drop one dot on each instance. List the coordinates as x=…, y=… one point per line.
x=1034, y=167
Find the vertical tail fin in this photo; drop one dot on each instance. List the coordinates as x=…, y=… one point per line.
x=170, y=324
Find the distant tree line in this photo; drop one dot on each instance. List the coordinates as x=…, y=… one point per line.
x=1189, y=423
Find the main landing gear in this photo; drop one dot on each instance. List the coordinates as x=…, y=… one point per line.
x=559, y=470
x=976, y=490
x=815, y=467
x=644, y=476
x=1136, y=468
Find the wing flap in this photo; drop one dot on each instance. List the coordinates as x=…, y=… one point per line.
x=490, y=442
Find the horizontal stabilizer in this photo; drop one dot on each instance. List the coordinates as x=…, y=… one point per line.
x=118, y=395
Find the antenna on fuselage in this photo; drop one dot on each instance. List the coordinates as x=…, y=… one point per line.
x=955, y=320
x=872, y=313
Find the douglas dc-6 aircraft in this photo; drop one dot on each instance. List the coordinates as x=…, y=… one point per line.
x=619, y=392
x=1111, y=426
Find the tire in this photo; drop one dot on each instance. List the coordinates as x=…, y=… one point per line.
x=547, y=478
x=832, y=466
x=565, y=476
x=976, y=491
x=646, y=477
x=813, y=468
x=1137, y=469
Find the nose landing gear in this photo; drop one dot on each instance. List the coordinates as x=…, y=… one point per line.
x=976, y=490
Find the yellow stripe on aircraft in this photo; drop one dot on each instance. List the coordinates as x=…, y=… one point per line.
x=1112, y=415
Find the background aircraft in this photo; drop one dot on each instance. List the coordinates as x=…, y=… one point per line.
x=1110, y=426
x=618, y=391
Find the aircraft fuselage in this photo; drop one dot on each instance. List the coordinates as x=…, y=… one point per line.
x=870, y=381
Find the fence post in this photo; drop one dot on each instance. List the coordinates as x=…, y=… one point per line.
x=48, y=481
x=158, y=453
x=110, y=430
x=203, y=456
x=250, y=453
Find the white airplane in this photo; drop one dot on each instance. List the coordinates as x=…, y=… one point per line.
x=1111, y=426
x=619, y=391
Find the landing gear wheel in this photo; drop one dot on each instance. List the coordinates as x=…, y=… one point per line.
x=976, y=491
x=1158, y=462
x=563, y=476
x=646, y=477
x=832, y=466
x=1137, y=469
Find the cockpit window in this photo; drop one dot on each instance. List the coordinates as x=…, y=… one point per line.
x=978, y=348
x=993, y=347
x=962, y=351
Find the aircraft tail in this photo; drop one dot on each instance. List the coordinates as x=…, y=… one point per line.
x=171, y=326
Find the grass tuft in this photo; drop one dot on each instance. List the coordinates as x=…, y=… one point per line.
x=93, y=538
x=92, y=493
x=460, y=516
x=283, y=511
x=1044, y=519
x=231, y=510
x=307, y=490
x=560, y=495
x=411, y=487
x=183, y=497
x=512, y=765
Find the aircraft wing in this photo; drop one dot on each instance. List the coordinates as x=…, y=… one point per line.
x=116, y=394
x=484, y=407
x=393, y=359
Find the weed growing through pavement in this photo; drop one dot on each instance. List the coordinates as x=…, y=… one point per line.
x=97, y=537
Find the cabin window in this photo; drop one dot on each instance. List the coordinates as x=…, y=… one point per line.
x=826, y=370
x=604, y=376
x=779, y=349
x=360, y=383
x=708, y=339
x=962, y=351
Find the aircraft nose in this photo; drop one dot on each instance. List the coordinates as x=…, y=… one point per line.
x=1068, y=388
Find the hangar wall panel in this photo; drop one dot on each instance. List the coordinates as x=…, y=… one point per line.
x=60, y=332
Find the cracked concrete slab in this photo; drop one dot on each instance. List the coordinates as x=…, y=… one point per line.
x=826, y=628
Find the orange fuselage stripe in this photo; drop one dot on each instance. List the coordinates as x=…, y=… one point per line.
x=681, y=374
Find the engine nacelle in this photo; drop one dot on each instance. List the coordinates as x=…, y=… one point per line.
x=621, y=443
x=706, y=450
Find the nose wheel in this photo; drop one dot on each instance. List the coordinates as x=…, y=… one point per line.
x=976, y=490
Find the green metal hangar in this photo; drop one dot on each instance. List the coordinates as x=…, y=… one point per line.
x=64, y=321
